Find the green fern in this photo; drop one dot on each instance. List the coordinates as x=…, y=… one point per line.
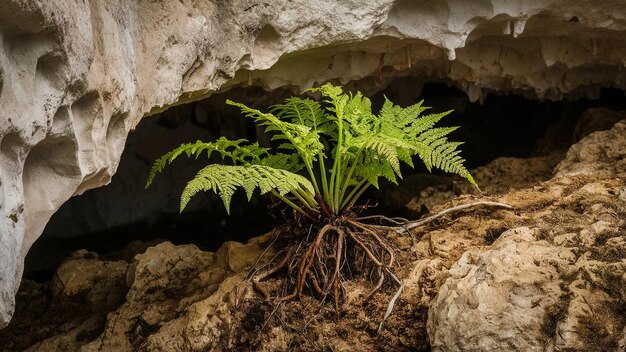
x=361, y=146
x=226, y=179
x=234, y=150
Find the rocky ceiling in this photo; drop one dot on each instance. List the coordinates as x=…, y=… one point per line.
x=77, y=77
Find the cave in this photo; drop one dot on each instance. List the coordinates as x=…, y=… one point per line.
x=531, y=258
x=107, y=219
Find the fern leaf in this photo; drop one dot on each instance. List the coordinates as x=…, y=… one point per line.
x=425, y=123
x=289, y=162
x=233, y=149
x=305, y=112
x=335, y=98
x=376, y=167
x=226, y=179
x=305, y=140
x=383, y=147
x=158, y=166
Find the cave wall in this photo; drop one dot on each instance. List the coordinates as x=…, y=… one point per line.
x=77, y=77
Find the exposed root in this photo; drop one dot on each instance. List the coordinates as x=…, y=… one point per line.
x=342, y=247
x=409, y=225
x=381, y=279
x=322, y=263
x=377, y=237
x=268, y=272
x=393, y=221
x=367, y=251
x=392, y=301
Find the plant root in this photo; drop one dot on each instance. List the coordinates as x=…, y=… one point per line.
x=268, y=272
x=322, y=263
x=340, y=248
x=392, y=301
x=399, y=225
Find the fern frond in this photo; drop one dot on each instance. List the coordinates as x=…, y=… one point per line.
x=233, y=149
x=305, y=140
x=362, y=146
x=376, y=167
x=443, y=155
x=382, y=146
x=305, y=112
x=424, y=123
x=226, y=179
x=335, y=98
x=374, y=145
x=428, y=142
x=289, y=162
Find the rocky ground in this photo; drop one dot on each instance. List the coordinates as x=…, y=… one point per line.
x=549, y=275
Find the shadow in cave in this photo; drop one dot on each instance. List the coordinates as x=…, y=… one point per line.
x=107, y=219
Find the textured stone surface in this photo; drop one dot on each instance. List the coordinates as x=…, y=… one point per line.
x=500, y=298
x=596, y=119
x=76, y=77
x=603, y=152
x=556, y=283
x=116, y=306
x=423, y=192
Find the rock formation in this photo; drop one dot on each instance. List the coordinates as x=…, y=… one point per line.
x=76, y=77
x=556, y=283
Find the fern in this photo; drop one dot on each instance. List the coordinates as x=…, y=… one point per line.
x=299, y=137
x=226, y=179
x=362, y=147
x=234, y=150
x=305, y=112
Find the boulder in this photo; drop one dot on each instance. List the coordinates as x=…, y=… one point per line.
x=555, y=283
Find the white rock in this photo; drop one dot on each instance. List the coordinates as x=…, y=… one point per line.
x=602, y=153
x=533, y=292
x=500, y=300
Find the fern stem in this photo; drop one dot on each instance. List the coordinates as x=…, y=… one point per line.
x=336, y=189
x=313, y=179
x=352, y=193
x=303, y=201
x=336, y=176
x=323, y=175
x=289, y=203
x=306, y=199
x=331, y=187
x=349, y=177
x=339, y=183
x=356, y=197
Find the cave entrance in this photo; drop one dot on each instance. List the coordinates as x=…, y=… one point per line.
x=122, y=218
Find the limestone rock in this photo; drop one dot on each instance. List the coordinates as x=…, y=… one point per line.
x=540, y=288
x=501, y=298
x=237, y=256
x=602, y=153
x=71, y=309
x=497, y=177
x=101, y=283
x=557, y=283
x=162, y=282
